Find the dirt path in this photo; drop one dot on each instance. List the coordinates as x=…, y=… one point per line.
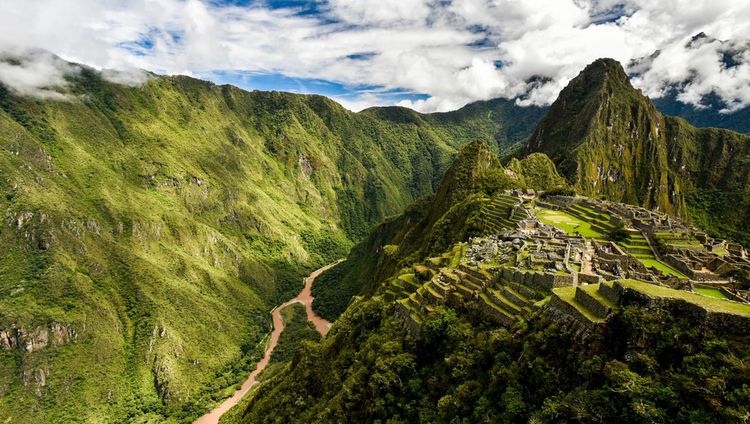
x=304, y=297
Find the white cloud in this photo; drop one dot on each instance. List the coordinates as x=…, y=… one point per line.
x=34, y=73
x=445, y=49
x=367, y=12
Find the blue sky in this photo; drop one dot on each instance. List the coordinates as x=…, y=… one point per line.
x=431, y=55
x=271, y=81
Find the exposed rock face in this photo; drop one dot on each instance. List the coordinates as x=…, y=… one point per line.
x=53, y=334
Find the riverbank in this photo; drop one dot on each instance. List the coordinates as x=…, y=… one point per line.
x=321, y=325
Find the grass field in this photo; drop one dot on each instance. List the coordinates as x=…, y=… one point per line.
x=666, y=269
x=708, y=291
x=567, y=223
x=710, y=303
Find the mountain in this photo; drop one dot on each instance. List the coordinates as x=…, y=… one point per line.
x=149, y=230
x=433, y=224
x=709, y=116
x=609, y=140
x=487, y=303
x=507, y=314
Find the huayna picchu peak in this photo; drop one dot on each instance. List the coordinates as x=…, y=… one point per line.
x=609, y=141
x=412, y=211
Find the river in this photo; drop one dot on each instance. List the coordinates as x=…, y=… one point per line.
x=304, y=297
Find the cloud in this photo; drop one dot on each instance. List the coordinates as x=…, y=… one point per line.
x=132, y=77
x=454, y=51
x=35, y=73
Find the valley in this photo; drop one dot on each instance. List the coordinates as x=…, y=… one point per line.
x=322, y=326
x=488, y=251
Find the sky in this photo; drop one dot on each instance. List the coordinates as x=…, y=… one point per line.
x=430, y=55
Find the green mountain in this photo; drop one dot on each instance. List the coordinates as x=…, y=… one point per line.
x=149, y=230
x=609, y=140
x=484, y=304
x=471, y=189
x=474, y=321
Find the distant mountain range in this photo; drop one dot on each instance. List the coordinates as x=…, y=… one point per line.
x=704, y=117
x=711, y=112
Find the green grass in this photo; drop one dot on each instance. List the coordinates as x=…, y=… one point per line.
x=712, y=292
x=567, y=223
x=711, y=303
x=593, y=291
x=664, y=268
x=567, y=294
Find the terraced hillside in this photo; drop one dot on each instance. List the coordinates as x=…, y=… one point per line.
x=456, y=326
x=470, y=201
x=502, y=211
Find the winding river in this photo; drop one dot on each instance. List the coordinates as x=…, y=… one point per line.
x=304, y=297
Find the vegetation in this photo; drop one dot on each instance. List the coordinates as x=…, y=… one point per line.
x=712, y=292
x=652, y=262
x=297, y=329
x=709, y=302
x=650, y=367
x=159, y=225
x=618, y=234
x=567, y=223
x=608, y=140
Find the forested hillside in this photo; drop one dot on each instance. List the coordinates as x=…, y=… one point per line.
x=149, y=230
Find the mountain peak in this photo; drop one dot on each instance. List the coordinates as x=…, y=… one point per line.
x=598, y=128
x=601, y=85
x=605, y=66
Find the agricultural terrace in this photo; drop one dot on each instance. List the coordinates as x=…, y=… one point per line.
x=652, y=262
x=710, y=303
x=712, y=292
x=567, y=223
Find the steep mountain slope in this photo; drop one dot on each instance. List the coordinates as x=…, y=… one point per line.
x=453, y=214
x=500, y=122
x=642, y=358
x=609, y=140
x=147, y=232
x=652, y=367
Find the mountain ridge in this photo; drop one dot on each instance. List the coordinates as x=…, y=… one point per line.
x=153, y=227
x=609, y=140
